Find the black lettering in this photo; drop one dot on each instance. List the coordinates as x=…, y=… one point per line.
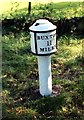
x=41, y=49
x=47, y=37
x=52, y=47
x=42, y=37
x=47, y=43
x=54, y=35
x=45, y=49
x=50, y=36
x=49, y=49
x=50, y=42
x=38, y=37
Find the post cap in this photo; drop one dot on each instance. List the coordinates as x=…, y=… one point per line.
x=42, y=25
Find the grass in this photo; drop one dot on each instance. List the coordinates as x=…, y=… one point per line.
x=7, y=4
x=53, y=10
x=20, y=79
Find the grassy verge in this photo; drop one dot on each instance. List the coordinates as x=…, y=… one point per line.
x=6, y=5
x=20, y=80
x=53, y=10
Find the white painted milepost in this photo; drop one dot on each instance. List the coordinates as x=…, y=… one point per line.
x=43, y=44
x=45, y=77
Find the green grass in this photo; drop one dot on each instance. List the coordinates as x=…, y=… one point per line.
x=20, y=79
x=6, y=5
x=53, y=10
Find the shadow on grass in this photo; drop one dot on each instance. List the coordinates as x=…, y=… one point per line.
x=34, y=106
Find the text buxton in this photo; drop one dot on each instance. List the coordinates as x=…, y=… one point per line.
x=46, y=37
